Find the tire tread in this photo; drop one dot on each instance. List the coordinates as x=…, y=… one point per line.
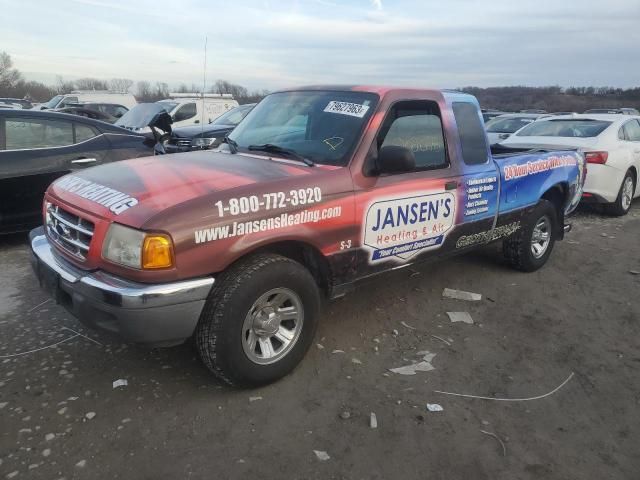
x=211, y=321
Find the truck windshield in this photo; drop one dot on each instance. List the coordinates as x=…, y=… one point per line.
x=322, y=126
x=53, y=102
x=577, y=128
x=508, y=125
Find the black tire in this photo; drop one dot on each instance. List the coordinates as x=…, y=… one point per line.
x=518, y=248
x=619, y=207
x=219, y=335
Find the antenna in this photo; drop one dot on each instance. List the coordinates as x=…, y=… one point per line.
x=204, y=86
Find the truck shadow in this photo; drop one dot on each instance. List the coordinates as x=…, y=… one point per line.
x=14, y=239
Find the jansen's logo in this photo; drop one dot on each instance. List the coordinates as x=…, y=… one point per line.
x=403, y=227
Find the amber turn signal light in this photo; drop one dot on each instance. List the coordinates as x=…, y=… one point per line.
x=157, y=252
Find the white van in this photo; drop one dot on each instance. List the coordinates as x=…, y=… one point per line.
x=93, y=96
x=194, y=108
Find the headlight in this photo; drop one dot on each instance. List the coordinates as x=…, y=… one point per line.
x=133, y=248
x=203, y=142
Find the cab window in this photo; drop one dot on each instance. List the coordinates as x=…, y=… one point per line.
x=416, y=125
x=26, y=133
x=185, y=112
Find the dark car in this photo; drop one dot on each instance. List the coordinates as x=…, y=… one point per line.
x=106, y=112
x=198, y=137
x=36, y=147
x=26, y=104
x=88, y=113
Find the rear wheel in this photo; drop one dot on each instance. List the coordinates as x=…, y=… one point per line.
x=622, y=205
x=259, y=320
x=529, y=248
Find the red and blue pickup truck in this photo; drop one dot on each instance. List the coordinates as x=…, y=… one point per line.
x=316, y=189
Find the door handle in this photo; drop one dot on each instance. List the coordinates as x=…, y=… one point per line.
x=451, y=185
x=84, y=160
x=197, y=121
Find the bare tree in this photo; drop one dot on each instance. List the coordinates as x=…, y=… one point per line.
x=161, y=91
x=64, y=86
x=143, y=89
x=120, y=85
x=223, y=86
x=91, y=84
x=9, y=76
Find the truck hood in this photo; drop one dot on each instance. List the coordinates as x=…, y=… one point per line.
x=133, y=191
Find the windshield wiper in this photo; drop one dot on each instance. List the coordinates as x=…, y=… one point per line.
x=233, y=146
x=271, y=148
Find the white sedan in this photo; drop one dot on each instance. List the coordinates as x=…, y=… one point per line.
x=502, y=127
x=611, y=145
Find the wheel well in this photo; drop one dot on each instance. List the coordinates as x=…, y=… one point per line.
x=307, y=255
x=635, y=177
x=558, y=196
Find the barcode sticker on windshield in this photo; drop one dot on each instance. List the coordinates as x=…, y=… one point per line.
x=346, y=108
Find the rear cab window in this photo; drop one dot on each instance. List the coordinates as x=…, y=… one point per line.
x=473, y=138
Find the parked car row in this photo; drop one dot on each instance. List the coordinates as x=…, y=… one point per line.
x=611, y=145
x=301, y=195
x=205, y=137
x=89, y=96
x=36, y=147
x=15, y=103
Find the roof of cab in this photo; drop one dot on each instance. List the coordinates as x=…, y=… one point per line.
x=377, y=89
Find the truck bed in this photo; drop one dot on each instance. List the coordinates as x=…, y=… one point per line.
x=502, y=151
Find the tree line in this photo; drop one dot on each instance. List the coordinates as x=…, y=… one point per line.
x=508, y=99
x=555, y=99
x=14, y=85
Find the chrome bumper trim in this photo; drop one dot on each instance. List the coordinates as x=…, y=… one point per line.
x=116, y=291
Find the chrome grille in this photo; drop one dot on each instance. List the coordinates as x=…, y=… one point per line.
x=71, y=232
x=183, y=142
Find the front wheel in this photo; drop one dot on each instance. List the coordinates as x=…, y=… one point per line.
x=529, y=248
x=259, y=320
x=622, y=205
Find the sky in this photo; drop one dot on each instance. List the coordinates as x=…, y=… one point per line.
x=269, y=44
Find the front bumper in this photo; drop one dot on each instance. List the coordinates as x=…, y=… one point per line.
x=159, y=314
x=176, y=149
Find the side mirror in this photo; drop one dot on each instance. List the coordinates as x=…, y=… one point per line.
x=395, y=159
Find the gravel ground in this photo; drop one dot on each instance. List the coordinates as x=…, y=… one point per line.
x=61, y=417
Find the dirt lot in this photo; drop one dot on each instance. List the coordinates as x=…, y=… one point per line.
x=61, y=417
